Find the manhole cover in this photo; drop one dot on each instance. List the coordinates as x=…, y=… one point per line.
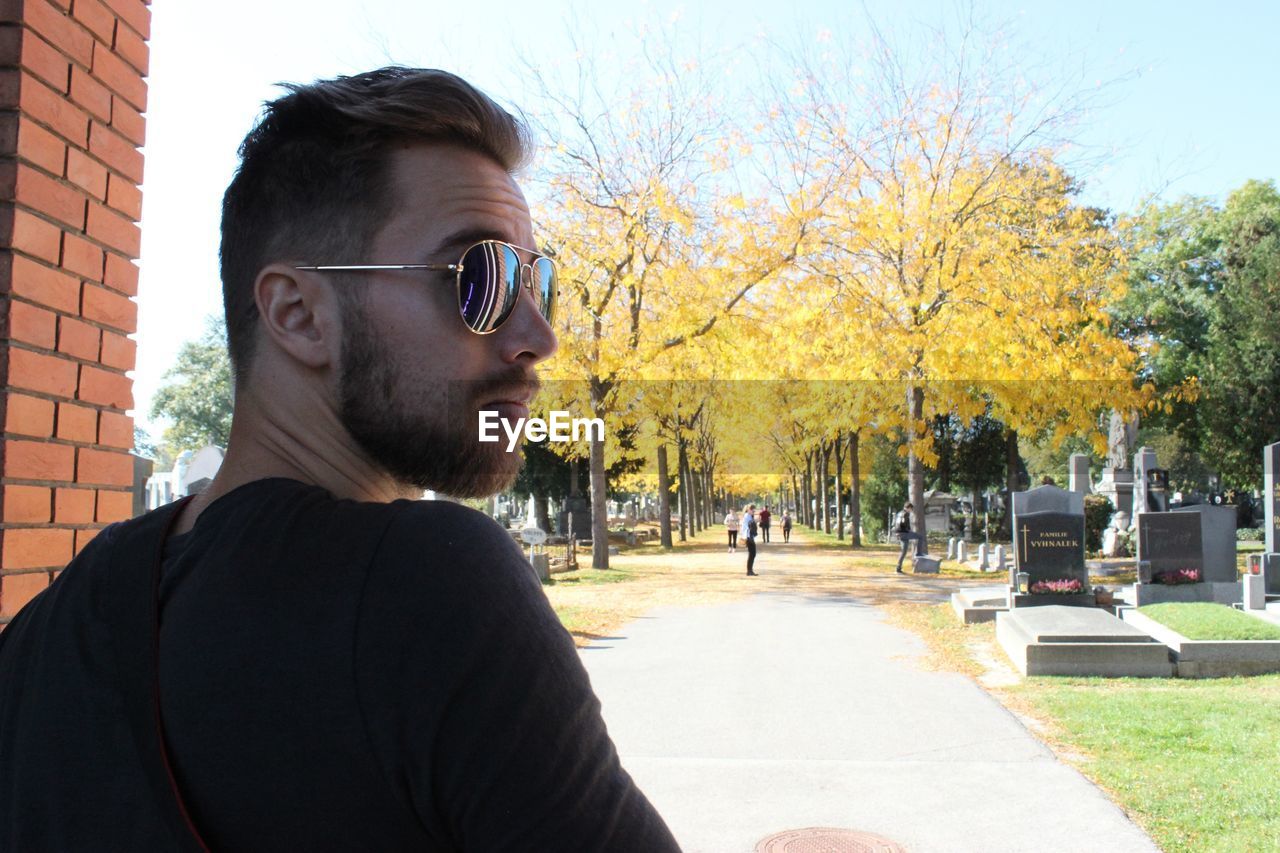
x=826, y=840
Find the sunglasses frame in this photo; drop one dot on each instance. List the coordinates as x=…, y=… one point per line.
x=458, y=269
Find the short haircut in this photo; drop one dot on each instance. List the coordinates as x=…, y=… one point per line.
x=313, y=187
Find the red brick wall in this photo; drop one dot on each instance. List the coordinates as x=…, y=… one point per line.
x=72, y=94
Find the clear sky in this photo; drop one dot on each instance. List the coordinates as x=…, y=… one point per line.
x=1197, y=108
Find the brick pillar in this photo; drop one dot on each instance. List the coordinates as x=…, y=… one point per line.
x=72, y=93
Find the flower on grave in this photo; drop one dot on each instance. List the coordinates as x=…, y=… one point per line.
x=1177, y=576
x=1065, y=586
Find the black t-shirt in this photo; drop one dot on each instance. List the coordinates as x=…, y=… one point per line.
x=334, y=676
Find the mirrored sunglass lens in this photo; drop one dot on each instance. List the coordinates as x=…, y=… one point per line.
x=544, y=286
x=486, y=287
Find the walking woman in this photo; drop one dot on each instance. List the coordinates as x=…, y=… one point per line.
x=731, y=525
x=747, y=533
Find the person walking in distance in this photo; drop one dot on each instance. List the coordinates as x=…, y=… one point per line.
x=765, y=518
x=906, y=535
x=747, y=534
x=786, y=526
x=731, y=526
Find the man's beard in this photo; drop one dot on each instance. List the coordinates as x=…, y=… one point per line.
x=424, y=437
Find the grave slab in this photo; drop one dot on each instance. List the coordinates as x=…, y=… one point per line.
x=1210, y=658
x=1057, y=640
x=980, y=604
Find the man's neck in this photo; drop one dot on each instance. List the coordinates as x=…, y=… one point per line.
x=264, y=446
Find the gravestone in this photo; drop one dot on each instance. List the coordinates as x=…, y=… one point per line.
x=982, y=557
x=1169, y=542
x=961, y=551
x=1168, y=545
x=1157, y=490
x=1078, y=474
x=1143, y=461
x=1000, y=565
x=1218, y=541
x=1048, y=529
x=951, y=548
x=1117, y=486
x=1271, y=497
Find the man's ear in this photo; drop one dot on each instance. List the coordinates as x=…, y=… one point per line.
x=299, y=313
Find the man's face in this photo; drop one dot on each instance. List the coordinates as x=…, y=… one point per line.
x=413, y=377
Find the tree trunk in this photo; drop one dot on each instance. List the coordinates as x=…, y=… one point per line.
x=695, y=502
x=915, y=468
x=540, y=511
x=839, y=490
x=795, y=497
x=682, y=465
x=599, y=509
x=855, y=492
x=806, y=511
x=664, y=498
x=1011, y=460
x=822, y=484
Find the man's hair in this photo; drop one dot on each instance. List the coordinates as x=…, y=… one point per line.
x=313, y=183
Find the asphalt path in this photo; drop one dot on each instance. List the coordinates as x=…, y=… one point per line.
x=785, y=710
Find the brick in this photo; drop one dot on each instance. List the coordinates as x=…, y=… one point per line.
x=32, y=548
x=116, y=151
x=115, y=430
x=36, y=237
x=45, y=61
x=78, y=339
x=96, y=18
x=118, y=351
x=114, y=506
x=27, y=504
x=128, y=121
x=52, y=108
x=40, y=147
x=119, y=77
x=61, y=31
x=84, y=537
x=110, y=308
x=30, y=416
x=32, y=325
x=87, y=173
x=124, y=196
x=77, y=423
x=105, y=388
x=90, y=94
x=48, y=286
x=38, y=460
x=135, y=13
x=81, y=257
x=52, y=198
x=132, y=48
x=47, y=374
x=104, y=467
x=121, y=274
x=109, y=227
x=74, y=506
x=16, y=591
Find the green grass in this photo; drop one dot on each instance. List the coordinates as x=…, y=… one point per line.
x=1194, y=761
x=1208, y=621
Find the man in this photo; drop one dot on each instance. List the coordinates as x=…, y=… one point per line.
x=765, y=517
x=319, y=664
x=906, y=535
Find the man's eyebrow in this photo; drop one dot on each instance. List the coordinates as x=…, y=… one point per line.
x=465, y=238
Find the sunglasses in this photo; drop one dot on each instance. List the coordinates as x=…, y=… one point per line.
x=489, y=277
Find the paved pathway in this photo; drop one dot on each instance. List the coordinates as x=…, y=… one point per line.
x=784, y=711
